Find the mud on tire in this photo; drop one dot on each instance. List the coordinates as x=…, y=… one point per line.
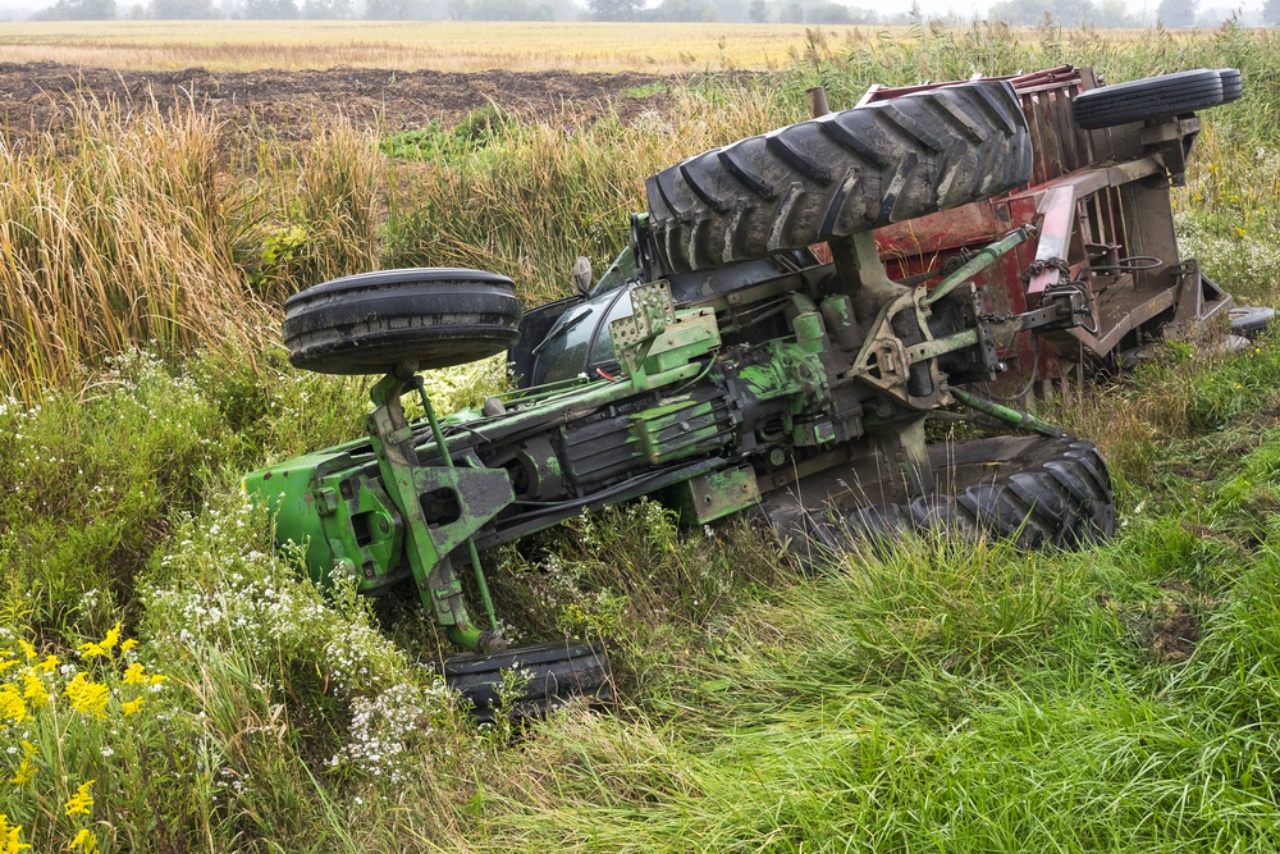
x=841, y=174
x=1040, y=492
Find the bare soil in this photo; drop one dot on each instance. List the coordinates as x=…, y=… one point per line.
x=41, y=97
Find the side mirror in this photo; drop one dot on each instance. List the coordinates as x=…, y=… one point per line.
x=582, y=275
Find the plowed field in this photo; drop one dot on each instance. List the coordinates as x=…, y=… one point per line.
x=38, y=97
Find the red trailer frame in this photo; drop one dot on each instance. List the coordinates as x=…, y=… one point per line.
x=1099, y=200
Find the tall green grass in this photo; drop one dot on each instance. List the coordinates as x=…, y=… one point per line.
x=537, y=196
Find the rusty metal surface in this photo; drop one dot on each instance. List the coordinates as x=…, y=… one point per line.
x=1097, y=197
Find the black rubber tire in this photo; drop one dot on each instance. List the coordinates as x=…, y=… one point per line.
x=1232, y=84
x=838, y=175
x=1041, y=492
x=1149, y=98
x=1249, y=320
x=366, y=324
x=557, y=671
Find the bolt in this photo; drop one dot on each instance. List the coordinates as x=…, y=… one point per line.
x=384, y=525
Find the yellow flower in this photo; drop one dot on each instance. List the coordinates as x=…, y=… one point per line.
x=84, y=841
x=88, y=698
x=12, y=706
x=132, y=706
x=29, y=747
x=1240, y=232
x=23, y=775
x=81, y=802
x=49, y=664
x=133, y=674
x=27, y=648
x=5, y=665
x=10, y=843
x=33, y=688
x=103, y=648
x=91, y=650
x=128, y=645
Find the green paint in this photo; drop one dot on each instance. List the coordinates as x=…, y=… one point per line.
x=1021, y=420
x=676, y=430
x=984, y=258
x=716, y=494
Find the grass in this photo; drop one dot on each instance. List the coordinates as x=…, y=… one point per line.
x=151, y=230
x=940, y=697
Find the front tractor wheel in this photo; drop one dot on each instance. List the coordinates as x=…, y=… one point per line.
x=369, y=323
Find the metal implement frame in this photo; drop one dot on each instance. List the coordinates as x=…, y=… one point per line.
x=1097, y=197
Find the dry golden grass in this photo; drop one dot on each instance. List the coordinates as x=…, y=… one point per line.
x=437, y=45
x=143, y=231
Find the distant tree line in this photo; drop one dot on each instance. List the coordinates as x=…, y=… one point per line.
x=1070, y=13
x=734, y=11
x=488, y=10
x=758, y=11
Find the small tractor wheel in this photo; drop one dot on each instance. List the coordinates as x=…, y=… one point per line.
x=1040, y=492
x=366, y=324
x=1232, y=85
x=843, y=173
x=1152, y=98
x=552, y=674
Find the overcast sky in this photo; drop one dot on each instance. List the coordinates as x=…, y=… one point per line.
x=965, y=9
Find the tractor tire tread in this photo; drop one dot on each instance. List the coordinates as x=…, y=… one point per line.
x=1149, y=98
x=839, y=175
x=434, y=317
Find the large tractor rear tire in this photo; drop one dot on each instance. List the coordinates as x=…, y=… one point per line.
x=368, y=323
x=1037, y=491
x=840, y=174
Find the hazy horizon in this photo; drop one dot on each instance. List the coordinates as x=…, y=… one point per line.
x=965, y=10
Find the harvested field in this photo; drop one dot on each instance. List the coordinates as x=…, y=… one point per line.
x=37, y=97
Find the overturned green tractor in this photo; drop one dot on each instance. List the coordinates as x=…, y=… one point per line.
x=720, y=366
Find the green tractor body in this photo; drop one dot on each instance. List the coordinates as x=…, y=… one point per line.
x=720, y=365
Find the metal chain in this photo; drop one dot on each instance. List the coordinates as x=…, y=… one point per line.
x=1038, y=267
